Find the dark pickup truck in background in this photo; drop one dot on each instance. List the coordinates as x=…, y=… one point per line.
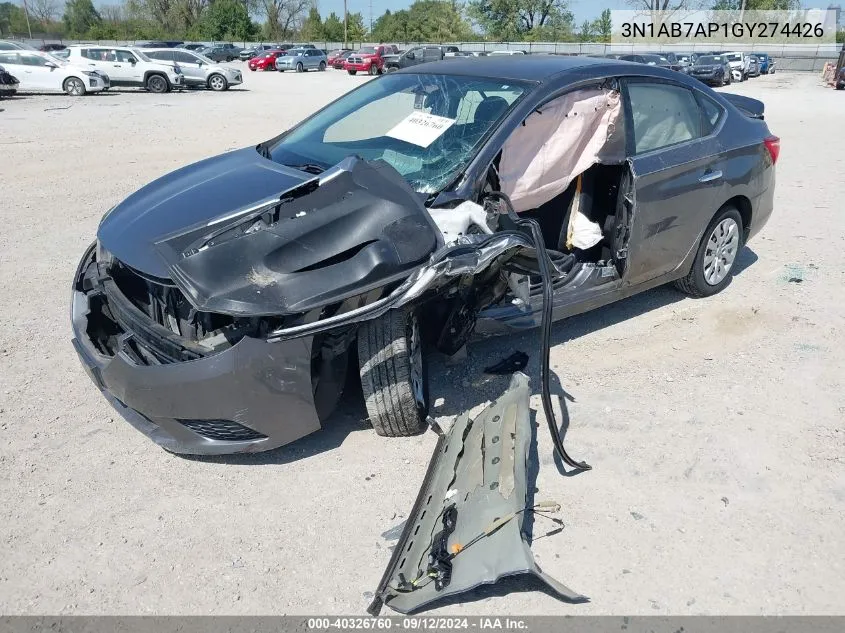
x=413, y=56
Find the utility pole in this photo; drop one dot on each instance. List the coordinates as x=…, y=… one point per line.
x=26, y=13
x=742, y=12
x=345, y=26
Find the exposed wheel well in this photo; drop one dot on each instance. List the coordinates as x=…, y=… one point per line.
x=743, y=205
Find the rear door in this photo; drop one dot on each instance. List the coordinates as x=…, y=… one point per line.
x=191, y=67
x=678, y=171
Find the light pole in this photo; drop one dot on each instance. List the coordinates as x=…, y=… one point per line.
x=26, y=13
x=345, y=26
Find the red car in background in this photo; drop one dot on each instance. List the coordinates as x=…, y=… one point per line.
x=368, y=59
x=336, y=58
x=265, y=61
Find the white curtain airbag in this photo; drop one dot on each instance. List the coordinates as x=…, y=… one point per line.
x=541, y=157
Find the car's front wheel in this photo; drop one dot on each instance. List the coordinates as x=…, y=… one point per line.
x=352, y=72
x=300, y=68
x=394, y=374
x=373, y=69
x=74, y=87
x=157, y=84
x=717, y=252
x=218, y=83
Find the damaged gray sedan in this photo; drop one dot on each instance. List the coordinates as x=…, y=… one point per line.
x=221, y=306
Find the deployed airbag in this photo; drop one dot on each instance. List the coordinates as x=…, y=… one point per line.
x=555, y=144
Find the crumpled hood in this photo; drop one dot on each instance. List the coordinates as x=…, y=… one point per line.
x=188, y=197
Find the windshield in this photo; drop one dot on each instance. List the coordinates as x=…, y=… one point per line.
x=427, y=127
x=367, y=50
x=202, y=58
x=734, y=57
x=708, y=60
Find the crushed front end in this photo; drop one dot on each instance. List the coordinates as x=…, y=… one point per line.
x=198, y=360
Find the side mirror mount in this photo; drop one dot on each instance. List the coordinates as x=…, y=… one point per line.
x=50, y=64
x=410, y=55
x=132, y=61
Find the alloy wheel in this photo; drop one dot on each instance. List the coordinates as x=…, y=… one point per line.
x=721, y=250
x=74, y=87
x=217, y=82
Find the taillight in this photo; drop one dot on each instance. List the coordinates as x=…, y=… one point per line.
x=772, y=144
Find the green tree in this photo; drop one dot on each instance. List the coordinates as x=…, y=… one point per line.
x=312, y=26
x=357, y=32
x=80, y=17
x=12, y=19
x=423, y=21
x=521, y=19
x=603, y=26
x=333, y=28
x=228, y=20
x=757, y=5
x=586, y=32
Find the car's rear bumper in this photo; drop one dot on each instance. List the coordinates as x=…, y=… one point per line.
x=251, y=397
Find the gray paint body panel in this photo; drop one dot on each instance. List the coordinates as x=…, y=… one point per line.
x=480, y=466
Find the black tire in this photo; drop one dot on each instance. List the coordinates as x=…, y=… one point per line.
x=218, y=83
x=300, y=68
x=74, y=86
x=352, y=72
x=695, y=284
x=373, y=69
x=158, y=84
x=322, y=66
x=386, y=351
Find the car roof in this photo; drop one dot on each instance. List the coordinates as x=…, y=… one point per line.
x=514, y=67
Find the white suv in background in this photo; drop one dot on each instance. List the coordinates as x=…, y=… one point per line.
x=198, y=69
x=126, y=66
x=41, y=72
x=740, y=64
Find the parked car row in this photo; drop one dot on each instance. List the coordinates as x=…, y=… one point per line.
x=79, y=69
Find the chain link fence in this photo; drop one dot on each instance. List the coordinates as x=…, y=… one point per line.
x=789, y=57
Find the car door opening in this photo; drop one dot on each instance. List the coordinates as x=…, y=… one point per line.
x=565, y=167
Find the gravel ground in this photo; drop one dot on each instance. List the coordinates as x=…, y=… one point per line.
x=715, y=426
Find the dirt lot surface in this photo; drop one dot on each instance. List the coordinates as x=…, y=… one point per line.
x=715, y=427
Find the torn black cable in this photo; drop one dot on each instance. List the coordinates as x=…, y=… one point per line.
x=545, y=326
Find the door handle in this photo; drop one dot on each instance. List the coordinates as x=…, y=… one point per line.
x=710, y=176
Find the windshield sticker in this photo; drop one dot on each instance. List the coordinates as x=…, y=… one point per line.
x=420, y=128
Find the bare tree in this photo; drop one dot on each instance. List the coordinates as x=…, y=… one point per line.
x=44, y=11
x=283, y=16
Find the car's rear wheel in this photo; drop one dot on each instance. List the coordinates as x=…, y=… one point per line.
x=157, y=84
x=299, y=67
x=74, y=87
x=322, y=66
x=394, y=374
x=716, y=256
x=218, y=83
x=373, y=69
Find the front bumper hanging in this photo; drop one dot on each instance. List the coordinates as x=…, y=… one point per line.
x=465, y=528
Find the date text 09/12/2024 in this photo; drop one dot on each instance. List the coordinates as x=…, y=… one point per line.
x=419, y=623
